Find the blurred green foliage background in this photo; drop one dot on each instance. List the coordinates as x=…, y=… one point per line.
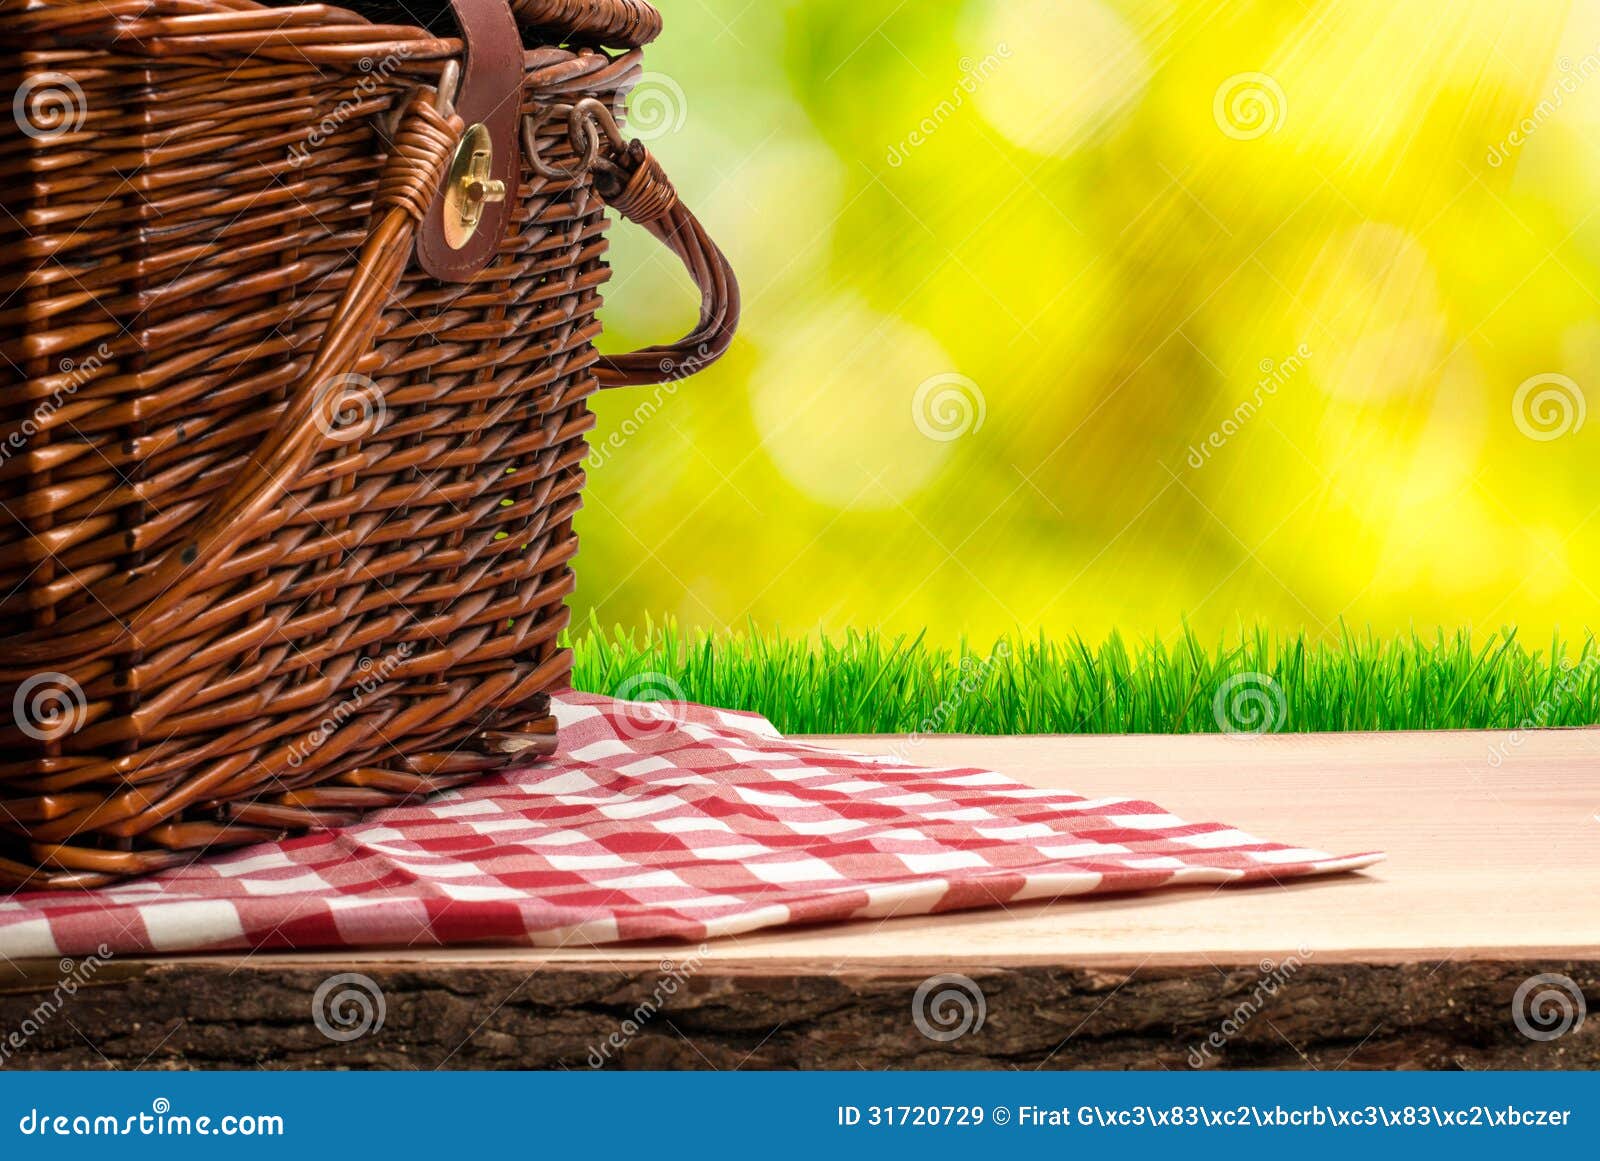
x=1081, y=315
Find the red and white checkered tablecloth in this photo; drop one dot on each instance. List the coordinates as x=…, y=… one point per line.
x=659, y=820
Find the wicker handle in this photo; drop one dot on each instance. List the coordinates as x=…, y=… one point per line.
x=422, y=148
x=613, y=23
x=632, y=182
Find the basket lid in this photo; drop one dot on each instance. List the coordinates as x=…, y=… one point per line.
x=611, y=23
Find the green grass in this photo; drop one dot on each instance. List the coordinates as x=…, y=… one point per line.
x=868, y=683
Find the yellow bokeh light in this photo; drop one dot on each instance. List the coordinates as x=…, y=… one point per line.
x=1073, y=229
x=1074, y=68
x=833, y=401
x=1372, y=301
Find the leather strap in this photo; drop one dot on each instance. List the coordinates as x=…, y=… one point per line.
x=491, y=94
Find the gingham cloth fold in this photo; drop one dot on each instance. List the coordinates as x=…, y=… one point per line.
x=662, y=820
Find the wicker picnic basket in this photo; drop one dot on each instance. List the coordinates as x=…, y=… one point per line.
x=298, y=323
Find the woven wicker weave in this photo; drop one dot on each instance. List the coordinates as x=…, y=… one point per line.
x=286, y=523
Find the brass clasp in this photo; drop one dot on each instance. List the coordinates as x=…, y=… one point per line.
x=470, y=187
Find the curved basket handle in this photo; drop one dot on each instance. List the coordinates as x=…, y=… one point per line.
x=632, y=182
x=423, y=146
x=613, y=23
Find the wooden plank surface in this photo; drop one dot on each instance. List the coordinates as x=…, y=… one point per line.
x=1493, y=876
x=1493, y=850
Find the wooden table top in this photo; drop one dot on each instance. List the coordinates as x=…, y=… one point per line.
x=1493, y=843
x=1492, y=885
